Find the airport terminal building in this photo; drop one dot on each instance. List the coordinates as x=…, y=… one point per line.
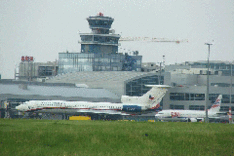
x=188, y=83
x=188, y=87
x=119, y=82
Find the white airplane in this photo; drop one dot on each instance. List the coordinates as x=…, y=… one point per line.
x=193, y=115
x=149, y=100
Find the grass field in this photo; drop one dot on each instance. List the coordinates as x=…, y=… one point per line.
x=47, y=137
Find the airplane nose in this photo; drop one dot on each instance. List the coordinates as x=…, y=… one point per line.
x=17, y=107
x=20, y=108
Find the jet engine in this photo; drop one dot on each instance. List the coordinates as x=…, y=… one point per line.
x=192, y=120
x=195, y=119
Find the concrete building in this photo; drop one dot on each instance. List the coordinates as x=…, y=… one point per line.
x=35, y=71
x=189, y=81
x=223, y=66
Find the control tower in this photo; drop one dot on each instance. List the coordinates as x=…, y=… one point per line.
x=99, y=50
x=101, y=40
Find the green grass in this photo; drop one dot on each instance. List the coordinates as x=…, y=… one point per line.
x=46, y=137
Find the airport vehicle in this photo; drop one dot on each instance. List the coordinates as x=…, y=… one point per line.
x=149, y=100
x=79, y=118
x=193, y=115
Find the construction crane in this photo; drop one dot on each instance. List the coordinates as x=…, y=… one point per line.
x=154, y=39
x=149, y=39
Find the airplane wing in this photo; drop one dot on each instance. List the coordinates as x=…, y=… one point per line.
x=222, y=113
x=215, y=117
x=111, y=112
x=219, y=117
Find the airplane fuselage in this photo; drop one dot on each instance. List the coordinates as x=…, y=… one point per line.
x=149, y=100
x=37, y=105
x=184, y=114
x=193, y=115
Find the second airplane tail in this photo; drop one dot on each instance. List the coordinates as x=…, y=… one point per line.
x=216, y=106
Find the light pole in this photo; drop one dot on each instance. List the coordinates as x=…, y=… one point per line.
x=207, y=83
x=159, y=82
x=230, y=108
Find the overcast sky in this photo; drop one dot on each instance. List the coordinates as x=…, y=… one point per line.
x=44, y=28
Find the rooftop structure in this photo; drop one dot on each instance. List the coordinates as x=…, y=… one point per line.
x=58, y=92
x=118, y=82
x=150, y=66
x=215, y=65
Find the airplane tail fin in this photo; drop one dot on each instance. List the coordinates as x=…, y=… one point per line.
x=157, y=92
x=216, y=106
x=151, y=99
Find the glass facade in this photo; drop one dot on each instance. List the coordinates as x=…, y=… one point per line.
x=111, y=62
x=100, y=21
x=221, y=84
x=226, y=108
x=46, y=70
x=177, y=107
x=137, y=87
x=187, y=96
x=104, y=48
x=196, y=107
x=70, y=62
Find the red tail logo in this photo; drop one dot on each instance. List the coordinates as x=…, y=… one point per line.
x=155, y=107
